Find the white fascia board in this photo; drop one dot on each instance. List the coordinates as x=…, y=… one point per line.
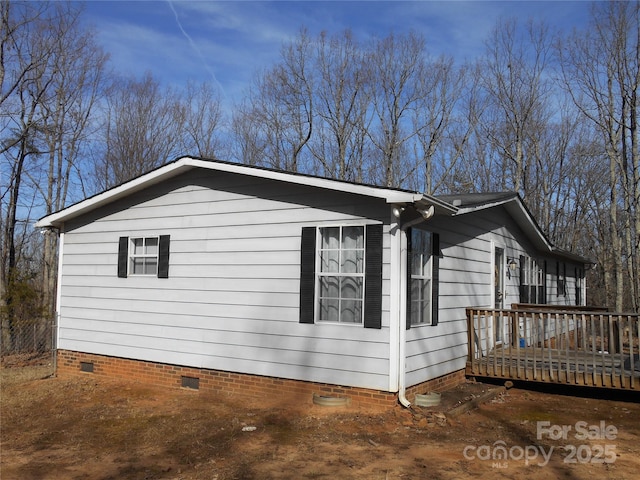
x=442, y=207
x=532, y=226
x=186, y=163
x=521, y=215
x=113, y=194
x=391, y=196
x=484, y=206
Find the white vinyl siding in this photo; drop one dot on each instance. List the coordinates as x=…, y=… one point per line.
x=232, y=300
x=466, y=277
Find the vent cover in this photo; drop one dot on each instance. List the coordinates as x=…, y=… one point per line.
x=86, y=367
x=191, y=382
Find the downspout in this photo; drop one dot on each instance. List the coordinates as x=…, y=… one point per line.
x=402, y=304
x=56, y=331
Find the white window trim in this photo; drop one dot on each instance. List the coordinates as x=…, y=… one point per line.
x=319, y=273
x=131, y=256
x=423, y=277
x=533, y=273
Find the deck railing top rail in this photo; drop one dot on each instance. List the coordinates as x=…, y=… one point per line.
x=549, y=343
x=554, y=309
x=571, y=308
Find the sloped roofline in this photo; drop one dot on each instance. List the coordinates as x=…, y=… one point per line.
x=444, y=204
x=515, y=206
x=184, y=164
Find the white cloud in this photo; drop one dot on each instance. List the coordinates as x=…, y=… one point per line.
x=230, y=40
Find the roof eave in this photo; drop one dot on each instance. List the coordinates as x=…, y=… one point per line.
x=389, y=195
x=440, y=206
x=57, y=219
x=516, y=207
x=523, y=217
x=559, y=252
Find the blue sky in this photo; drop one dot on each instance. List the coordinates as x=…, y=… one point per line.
x=228, y=41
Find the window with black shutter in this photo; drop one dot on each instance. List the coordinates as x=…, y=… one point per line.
x=341, y=275
x=143, y=256
x=423, y=250
x=532, y=281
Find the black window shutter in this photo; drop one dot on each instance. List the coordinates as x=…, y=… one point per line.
x=307, y=274
x=123, y=254
x=163, y=256
x=435, y=278
x=524, y=289
x=373, y=277
x=409, y=267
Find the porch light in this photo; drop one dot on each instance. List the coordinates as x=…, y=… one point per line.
x=397, y=211
x=428, y=213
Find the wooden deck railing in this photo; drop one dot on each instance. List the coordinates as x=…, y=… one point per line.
x=551, y=344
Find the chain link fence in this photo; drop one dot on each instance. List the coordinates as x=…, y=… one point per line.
x=28, y=343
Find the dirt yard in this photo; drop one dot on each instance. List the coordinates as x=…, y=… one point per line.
x=91, y=428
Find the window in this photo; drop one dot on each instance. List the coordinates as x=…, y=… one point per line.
x=421, y=265
x=144, y=256
x=532, y=281
x=341, y=275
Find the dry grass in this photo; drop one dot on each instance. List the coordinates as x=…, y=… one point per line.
x=91, y=428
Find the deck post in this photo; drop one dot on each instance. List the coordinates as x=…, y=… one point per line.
x=555, y=344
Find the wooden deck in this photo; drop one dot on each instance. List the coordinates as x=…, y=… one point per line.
x=563, y=346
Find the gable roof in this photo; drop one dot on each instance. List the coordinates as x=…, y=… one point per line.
x=458, y=204
x=511, y=201
x=468, y=200
x=515, y=206
x=184, y=164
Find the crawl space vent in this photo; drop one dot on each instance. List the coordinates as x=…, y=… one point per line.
x=86, y=367
x=191, y=382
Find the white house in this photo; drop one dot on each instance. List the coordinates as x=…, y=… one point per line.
x=209, y=274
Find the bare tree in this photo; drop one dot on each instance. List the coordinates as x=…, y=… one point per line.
x=78, y=65
x=396, y=65
x=278, y=113
x=17, y=58
x=249, y=143
x=517, y=89
x=50, y=76
x=601, y=72
x=350, y=111
x=342, y=104
x=143, y=130
x=203, y=122
x=26, y=80
x=433, y=120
